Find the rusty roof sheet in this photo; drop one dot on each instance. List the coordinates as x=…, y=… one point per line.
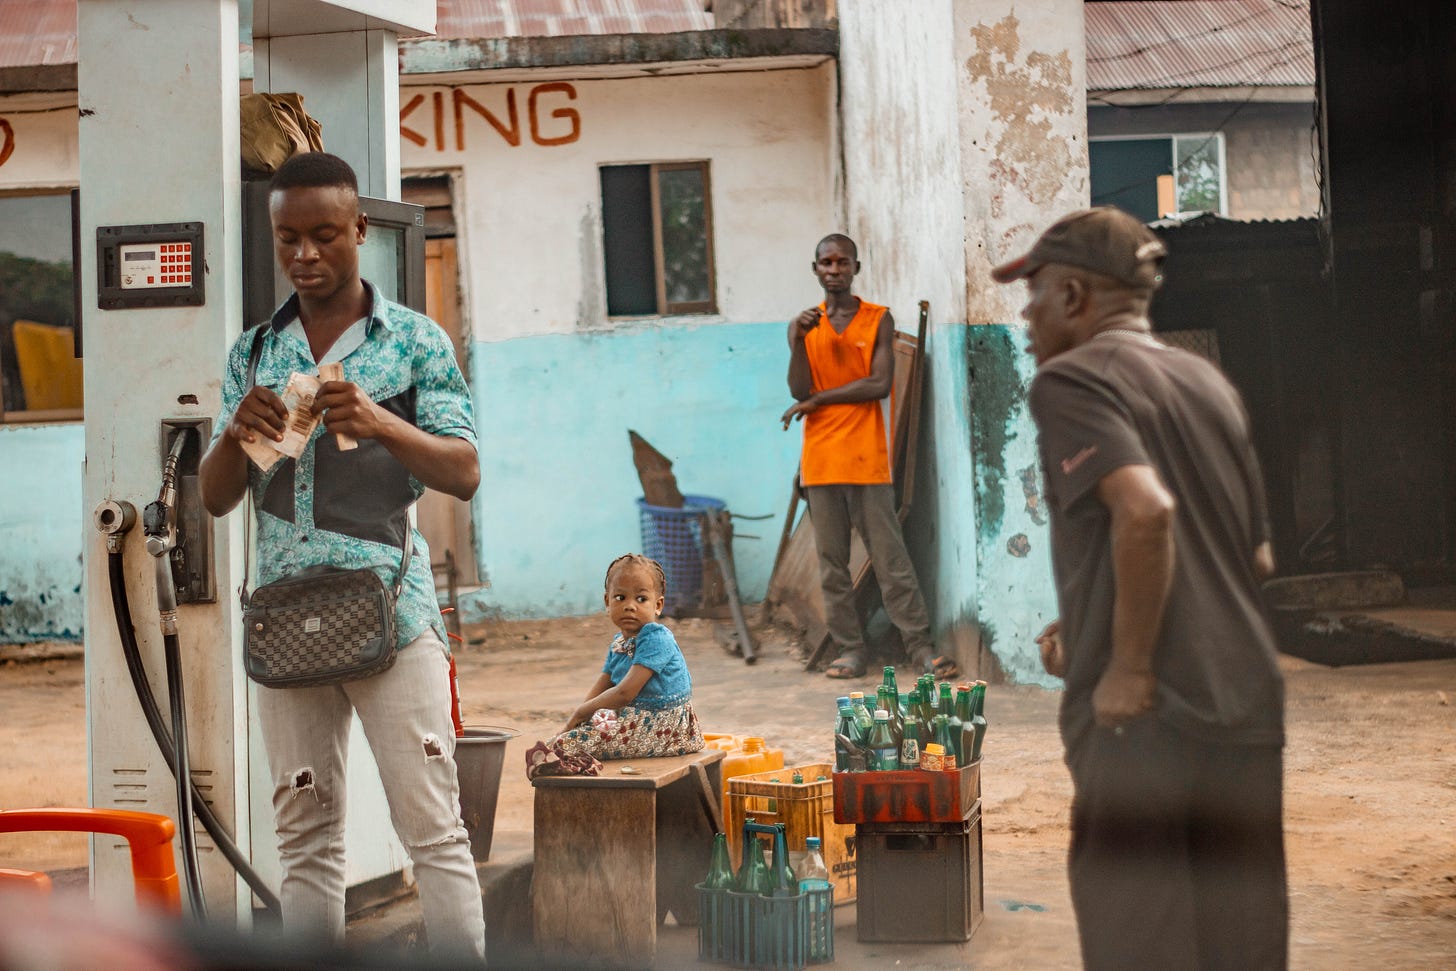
x=35, y=32
x=556, y=18
x=1198, y=43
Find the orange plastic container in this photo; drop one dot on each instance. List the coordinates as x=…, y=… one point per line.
x=719, y=740
x=752, y=756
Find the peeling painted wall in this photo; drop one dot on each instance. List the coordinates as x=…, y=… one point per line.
x=41, y=531
x=1014, y=575
x=1022, y=80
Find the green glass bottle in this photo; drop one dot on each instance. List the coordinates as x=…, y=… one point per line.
x=798, y=778
x=887, y=704
x=894, y=690
x=848, y=727
x=910, y=747
x=927, y=699
x=862, y=714
x=947, y=708
x=916, y=717
x=753, y=875
x=978, y=719
x=884, y=754
x=781, y=878
x=943, y=736
x=720, y=868
x=773, y=804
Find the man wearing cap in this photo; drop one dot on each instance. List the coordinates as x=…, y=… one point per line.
x=1173, y=716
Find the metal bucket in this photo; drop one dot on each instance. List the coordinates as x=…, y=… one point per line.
x=479, y=755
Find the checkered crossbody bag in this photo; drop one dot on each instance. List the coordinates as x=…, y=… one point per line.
x=321, y=625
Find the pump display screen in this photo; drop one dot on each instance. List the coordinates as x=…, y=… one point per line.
x=156, y=265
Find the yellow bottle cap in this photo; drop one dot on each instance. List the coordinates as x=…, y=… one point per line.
x=934, y=748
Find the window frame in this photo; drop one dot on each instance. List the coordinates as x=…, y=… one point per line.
x=1172, y=138
x=41, y=416
x=665, y=308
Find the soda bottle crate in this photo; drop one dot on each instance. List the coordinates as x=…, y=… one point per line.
x=907, y=795
x=775, y=933
x=920, y=882
x=805, y=810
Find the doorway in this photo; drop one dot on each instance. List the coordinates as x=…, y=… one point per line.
x=444, y=520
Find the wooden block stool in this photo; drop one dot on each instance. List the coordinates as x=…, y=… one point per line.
x=616, y=852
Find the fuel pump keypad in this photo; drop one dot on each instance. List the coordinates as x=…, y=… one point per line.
x=150, y=265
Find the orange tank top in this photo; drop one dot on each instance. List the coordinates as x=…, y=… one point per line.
x=844, y=444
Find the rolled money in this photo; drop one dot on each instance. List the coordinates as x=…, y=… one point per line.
x=334, y=371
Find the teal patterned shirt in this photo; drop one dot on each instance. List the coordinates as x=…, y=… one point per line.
x=349, y=509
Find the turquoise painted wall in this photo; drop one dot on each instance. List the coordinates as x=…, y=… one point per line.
x=558, y=491
x=42, y=527
x=1015, y=590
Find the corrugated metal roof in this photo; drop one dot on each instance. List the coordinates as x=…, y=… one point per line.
x=1198, y=43
x=556, y=18
x=35, y=32
x=1130, y=45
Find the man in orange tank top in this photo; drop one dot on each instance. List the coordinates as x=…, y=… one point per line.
x=841, y=367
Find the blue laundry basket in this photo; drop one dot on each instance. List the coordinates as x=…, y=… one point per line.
x=676, y=539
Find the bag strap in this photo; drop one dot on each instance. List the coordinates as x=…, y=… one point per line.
x=255, y=351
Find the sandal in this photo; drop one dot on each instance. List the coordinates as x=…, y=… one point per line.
x=847, y=667
x=942, y=666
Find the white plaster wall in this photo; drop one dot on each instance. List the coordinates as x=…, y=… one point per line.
x=531, y=212
x=1023, y=94
x=902, y=155
x=41, y=136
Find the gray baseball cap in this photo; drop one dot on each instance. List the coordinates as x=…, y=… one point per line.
x=1104, y=240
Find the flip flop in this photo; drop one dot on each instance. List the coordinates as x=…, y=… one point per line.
x=942, y=666
x=847, y=666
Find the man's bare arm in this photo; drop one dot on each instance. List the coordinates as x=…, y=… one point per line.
x=1142, y=564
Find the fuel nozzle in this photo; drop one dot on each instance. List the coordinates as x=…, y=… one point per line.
x=159, y=521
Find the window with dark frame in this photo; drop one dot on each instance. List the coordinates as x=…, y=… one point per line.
x=40, y=374
x=657, y=239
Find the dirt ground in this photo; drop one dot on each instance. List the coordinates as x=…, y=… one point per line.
x=1370, y=788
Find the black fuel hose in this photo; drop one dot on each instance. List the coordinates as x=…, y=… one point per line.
x=224, y=842
x=191, y=871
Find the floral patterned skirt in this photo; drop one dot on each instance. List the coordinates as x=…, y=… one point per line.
x=638, y=733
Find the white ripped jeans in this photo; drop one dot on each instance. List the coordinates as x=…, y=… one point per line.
x=405, y=712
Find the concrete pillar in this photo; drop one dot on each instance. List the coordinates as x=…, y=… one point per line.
x=1021, y=84
x=158, y=96
x=358, y=108
x=964, y=135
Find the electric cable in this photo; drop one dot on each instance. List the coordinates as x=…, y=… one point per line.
x=152, y=712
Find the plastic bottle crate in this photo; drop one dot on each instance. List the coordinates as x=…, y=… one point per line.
x=907, y=795
x=920, y=882
x=805, y=810
x=778, y=933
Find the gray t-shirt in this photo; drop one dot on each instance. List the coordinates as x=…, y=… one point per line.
x=1124, y=399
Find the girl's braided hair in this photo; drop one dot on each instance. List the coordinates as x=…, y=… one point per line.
x=640, y=560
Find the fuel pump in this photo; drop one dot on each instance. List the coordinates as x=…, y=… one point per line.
x=168, y=545
x=161, y=208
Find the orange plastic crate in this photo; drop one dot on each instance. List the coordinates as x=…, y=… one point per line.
x=805, y=810
x=907, y=795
